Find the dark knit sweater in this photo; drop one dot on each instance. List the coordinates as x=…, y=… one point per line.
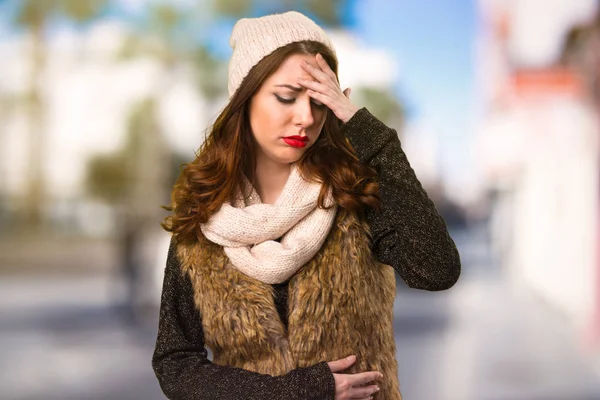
x=407, y=233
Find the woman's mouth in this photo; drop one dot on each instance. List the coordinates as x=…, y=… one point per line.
x=296, y=141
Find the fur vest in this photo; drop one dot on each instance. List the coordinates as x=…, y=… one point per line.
x=339, y=303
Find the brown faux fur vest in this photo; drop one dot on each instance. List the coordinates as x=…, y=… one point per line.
x=340, y=303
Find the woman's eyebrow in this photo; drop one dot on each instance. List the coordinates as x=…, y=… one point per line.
x=294, y=88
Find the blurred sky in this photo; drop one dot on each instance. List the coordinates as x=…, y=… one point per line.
x=431, y=43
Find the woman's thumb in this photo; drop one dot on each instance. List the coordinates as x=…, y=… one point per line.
x=340, y=365
x=347, y=92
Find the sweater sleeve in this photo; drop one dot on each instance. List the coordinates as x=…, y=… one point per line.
x=408, y=233
x=181, y=363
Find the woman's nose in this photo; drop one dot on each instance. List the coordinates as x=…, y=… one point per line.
x=304, y=113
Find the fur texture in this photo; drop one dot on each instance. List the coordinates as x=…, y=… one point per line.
x=340, y=303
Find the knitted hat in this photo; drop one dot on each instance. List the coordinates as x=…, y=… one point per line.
x=254, y=38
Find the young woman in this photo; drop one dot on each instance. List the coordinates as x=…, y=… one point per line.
x=287, y=229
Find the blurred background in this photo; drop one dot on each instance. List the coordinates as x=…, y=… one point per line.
x=497, y=104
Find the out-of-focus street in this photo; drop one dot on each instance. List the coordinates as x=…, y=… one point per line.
x=497, y=107
x=483, y=339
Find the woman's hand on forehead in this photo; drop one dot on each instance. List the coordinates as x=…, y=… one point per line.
x=325, y=88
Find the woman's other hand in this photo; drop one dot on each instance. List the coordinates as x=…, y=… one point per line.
x=350, y=386
x=327, y=89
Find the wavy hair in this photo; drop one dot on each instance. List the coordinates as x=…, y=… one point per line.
x=229, y=153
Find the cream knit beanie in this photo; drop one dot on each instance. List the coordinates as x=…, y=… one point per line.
x=254, y=38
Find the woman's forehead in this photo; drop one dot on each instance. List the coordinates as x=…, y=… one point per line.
x=291, y=68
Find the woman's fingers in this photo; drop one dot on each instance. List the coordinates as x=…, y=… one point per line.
x=327, y=91
x=342, y=364
x=353, y=386
x=325, y=67
x=318, y=74
x=364, y=392
x=323, y=99
x=365, y=377
x=316, y=86
x=324, y=94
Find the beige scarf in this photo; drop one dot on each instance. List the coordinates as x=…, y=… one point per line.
x=248, y=230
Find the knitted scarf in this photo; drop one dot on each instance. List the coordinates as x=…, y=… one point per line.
x=248, y=230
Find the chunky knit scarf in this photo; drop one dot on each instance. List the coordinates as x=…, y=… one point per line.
x=248, y=230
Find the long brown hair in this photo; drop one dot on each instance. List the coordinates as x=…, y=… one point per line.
x=229, y=152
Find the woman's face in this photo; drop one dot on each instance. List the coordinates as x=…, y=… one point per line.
x=285, y=121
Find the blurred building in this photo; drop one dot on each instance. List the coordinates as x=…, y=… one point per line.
x=538, y=145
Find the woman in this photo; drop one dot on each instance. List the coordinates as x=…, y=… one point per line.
x=287, y=229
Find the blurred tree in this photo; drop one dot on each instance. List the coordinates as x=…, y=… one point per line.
x=35, y=16
x=107, y=177
x=233, y=8
x=383, y=104
x=129, y=178
x=210, y=73
x=168, y=37
x=7, y=103
x=132, y=180
x=79, y=11
x=326, y=12
x=137, y=179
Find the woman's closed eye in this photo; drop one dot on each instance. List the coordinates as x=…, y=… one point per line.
x=285, y=100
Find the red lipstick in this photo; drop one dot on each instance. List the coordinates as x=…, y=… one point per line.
x=296, y=141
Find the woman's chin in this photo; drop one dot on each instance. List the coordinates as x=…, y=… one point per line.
x=288, y=157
